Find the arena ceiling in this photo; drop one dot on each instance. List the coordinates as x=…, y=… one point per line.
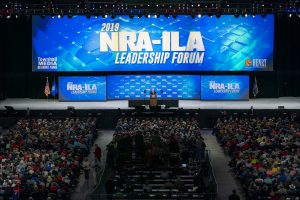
x=148, y=7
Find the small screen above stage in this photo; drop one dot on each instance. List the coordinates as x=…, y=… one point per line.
x=152, y=44
x=224, y=87
x=82, y=88
x=166, y=86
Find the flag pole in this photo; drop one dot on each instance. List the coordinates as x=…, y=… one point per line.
x=54, y=94
x=47, y=81
x=253, y=90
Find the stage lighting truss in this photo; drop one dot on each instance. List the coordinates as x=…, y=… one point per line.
x=135, y=8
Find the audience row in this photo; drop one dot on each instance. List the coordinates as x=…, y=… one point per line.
x=265, y=154
x=41, y=158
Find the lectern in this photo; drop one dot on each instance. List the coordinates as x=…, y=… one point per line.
x=153, y=99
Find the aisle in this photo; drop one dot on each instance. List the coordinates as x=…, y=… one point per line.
x=224, y=177
x=83, y=187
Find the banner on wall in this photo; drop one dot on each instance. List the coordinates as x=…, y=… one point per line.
x=152, y=44
x=82, y=88
x=224, y=87
x=166, y=86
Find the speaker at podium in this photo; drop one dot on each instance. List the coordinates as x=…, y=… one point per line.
x=153, y=98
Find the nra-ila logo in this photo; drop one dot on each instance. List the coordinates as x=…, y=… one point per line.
x=259, y=63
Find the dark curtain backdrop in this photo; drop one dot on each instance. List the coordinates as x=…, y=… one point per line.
x=1, y=65
x=18, y=81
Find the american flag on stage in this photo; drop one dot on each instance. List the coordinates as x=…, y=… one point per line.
x=47, y=88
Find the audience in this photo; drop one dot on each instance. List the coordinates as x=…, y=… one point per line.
x=41, y=158
x=157, y=155
x=265, y=154
x=98, y=152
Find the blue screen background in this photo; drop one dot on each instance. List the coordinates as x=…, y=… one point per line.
x=228, y=42
x=208, y=94
x=166, y=86
x=66, y=95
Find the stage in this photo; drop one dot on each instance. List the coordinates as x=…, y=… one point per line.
x=43, y=104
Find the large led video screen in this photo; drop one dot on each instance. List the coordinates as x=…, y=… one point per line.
x=82, y=88
x=152, y=44
x=224, y=87
x=166, y=86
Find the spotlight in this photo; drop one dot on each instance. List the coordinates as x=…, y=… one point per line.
x=290, y=15
x=59, y=16
x=199, y=15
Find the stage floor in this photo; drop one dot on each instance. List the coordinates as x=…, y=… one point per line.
x=43, y=104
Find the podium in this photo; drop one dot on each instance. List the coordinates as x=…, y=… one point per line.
x=153, y=100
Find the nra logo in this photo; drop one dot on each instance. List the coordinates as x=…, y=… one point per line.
x=258, y=63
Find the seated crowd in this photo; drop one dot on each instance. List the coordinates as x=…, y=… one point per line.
x=265, y=155
x=41, y=158
x=157, y=158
